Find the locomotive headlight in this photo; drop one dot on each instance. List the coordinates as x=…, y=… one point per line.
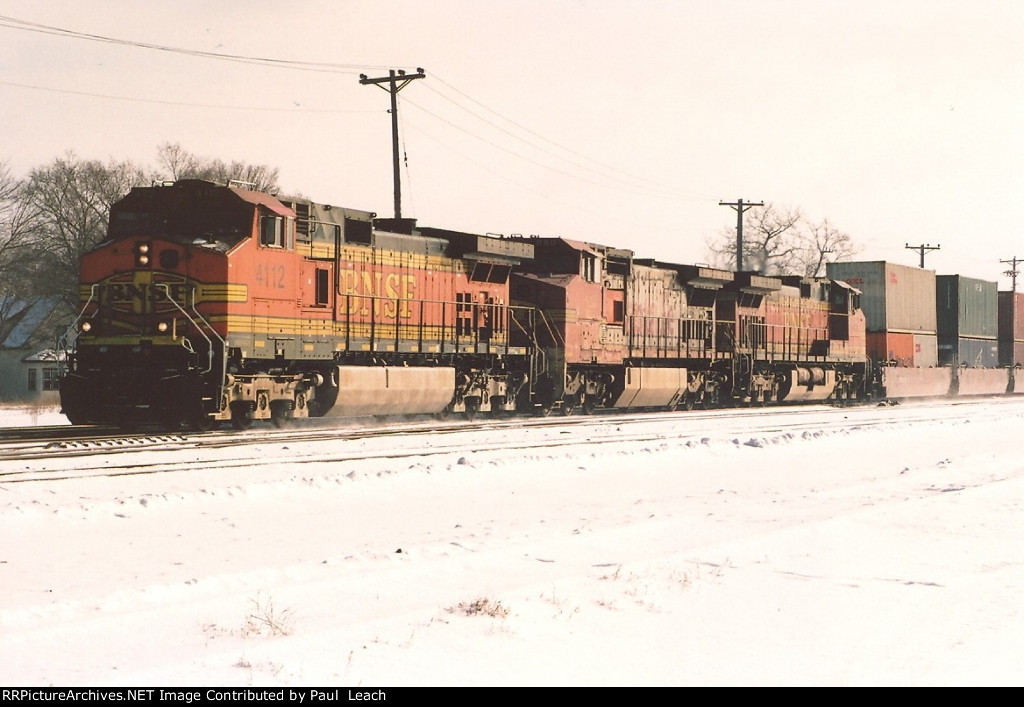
x=142, y=255
x=86, y=326
x=162, y=327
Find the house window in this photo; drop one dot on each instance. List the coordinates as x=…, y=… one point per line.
x=51, y=379
x=33, y=374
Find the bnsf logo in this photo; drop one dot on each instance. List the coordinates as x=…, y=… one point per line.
x=385, y=294
x=136, y=293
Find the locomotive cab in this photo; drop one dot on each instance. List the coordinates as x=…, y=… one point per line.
x=146, y=348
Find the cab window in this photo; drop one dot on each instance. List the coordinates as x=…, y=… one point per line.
x=272, y=231
x=277, y=231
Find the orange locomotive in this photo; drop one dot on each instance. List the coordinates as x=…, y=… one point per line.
x=210, y=303
x=635, y=333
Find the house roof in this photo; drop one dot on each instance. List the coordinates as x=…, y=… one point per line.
x=22, y=319
x=46, y=356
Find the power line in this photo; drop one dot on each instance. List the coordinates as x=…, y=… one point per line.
x=24, y=25
x=513, y=152
x=129, y=99
x=601, y=169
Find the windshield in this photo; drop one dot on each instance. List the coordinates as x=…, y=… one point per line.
x=193, y=211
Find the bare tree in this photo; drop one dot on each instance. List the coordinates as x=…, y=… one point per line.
x=824, y=243
x=182, y=164
x=61, y=210
x=780, y=241
x=16, y=226
x=70, y=201
x=179, y=163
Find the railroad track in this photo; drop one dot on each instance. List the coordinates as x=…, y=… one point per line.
x=48, y=460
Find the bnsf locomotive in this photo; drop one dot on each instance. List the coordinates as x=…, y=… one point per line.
x=212, y=303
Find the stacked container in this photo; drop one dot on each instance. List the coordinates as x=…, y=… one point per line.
x=899, y=305
x=967, y=321
x=1011, y=328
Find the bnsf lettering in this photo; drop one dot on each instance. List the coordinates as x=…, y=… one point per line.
x=387, y=293
x=128, y=292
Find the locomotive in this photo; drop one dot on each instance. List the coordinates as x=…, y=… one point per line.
x=216, y=303
x=213, y=303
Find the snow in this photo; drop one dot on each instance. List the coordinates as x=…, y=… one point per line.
x=818, y=546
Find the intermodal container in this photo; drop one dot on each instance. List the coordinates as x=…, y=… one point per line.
x=903, y=349
x=1011, y=328
x=964, y=351
x=1011, y=354
x=895, y=298
x=966, y=306
x=926, y=350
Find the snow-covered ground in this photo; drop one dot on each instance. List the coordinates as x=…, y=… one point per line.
x=756, y=548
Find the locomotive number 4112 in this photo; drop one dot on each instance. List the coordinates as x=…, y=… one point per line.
x=270, y=276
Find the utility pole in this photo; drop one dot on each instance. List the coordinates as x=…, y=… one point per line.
x=1009, y=356
x=395, y=81
x=922, y=249
x=739, y=206
x=1012, y=272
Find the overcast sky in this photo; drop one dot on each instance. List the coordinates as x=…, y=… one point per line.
x=619, y=122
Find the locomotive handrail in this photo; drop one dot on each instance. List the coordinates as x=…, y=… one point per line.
x=92, y=293
x=556, y=337
x=375, y=320
x=668, y=337
x=223, y=342
x=209, y=341
x=62, y=343
x=539, y=361
x=531, y=337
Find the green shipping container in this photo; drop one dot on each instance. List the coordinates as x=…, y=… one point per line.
x=966, y=307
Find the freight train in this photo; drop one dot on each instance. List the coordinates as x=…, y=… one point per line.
x=216, y=303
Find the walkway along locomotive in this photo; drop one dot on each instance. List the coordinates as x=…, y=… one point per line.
x=212, y=303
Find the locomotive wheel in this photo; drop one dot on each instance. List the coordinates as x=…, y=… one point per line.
x=77, y=418
x=205, y=423
x=193, y=423
x=281, y=413
x=471, y=411
x=569, y=404
x=240, y=419
x=589, y=405
x=172, y=422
